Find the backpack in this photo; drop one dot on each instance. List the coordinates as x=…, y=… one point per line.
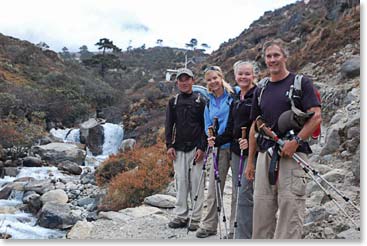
x=295, y=93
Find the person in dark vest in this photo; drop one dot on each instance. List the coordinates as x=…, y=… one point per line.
x=287, y=196
x=186, y=144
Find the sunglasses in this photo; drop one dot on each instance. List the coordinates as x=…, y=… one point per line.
x=212, y=68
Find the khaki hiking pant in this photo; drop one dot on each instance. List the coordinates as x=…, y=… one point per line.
x=187, y=178
x=210, y=220
x=287, y=197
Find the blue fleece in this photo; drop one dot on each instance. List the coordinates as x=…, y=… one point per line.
x=218, y=107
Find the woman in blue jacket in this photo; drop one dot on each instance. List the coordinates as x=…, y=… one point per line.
x=220, y=100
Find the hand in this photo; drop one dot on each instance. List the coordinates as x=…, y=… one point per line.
x=171, y=153
x=243, y=143
x=211, y=141
x=199, y=155
x=250, y=171
x=289, y=148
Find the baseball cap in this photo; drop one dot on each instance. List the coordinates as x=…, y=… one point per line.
x=184, y=71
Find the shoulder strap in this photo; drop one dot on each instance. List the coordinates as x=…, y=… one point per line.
x=297, y=83
x=297, y=86
x=262, y=85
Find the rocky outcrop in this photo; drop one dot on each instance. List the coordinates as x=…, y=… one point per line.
x=58, y=152
x=70, y=167
x=56, y=215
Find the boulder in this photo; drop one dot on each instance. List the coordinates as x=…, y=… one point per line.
x=39, y=186
x=84, y=129
x=31, y=161
x=33, y=200
x=161, y=201
x=57, y=196
x=81, y=230
x=5, y=192
x=316, y=214
x=56, y=216
x=332, y=142
x=11, y=171
x=58, y=152
x=351, y=68
x=70, y=167
x=95, y=140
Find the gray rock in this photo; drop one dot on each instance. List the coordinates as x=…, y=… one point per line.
x=58, y=152
x=356, y=165
x=161, y=201
x=55, y=215
x=31, y=161
x=11, y=171
x=83, y=202
x=39, y=186
x=81, y=230
x=335, y=175
x=45, y=140
x=316, y=214
x=350, y=234
x=70, y=167
x=353, y=132
x=84, y=129
x=57, y=196
x=34, y=202
x=95, y=140
x=5, y=192
x=351, y=68
x=332, y=143
x=10, y=163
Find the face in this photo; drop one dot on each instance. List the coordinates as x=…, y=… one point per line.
x=275, y=60
x=245, y=75
x=214, y=81
x=184, y=83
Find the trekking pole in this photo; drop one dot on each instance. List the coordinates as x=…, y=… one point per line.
x=202, y=177
x=239, y=175
x=305, y=166
x=218, y=195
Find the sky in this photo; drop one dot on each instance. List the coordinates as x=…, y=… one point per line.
x=73, y=23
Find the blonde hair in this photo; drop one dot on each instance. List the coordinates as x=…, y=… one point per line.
x=225, y=84
x=255, y=68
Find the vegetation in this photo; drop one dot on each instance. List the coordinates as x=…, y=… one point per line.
x=128, y=189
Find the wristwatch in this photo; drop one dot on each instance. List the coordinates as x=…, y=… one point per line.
x=298, y=140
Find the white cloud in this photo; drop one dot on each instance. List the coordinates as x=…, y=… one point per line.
x=73, y=23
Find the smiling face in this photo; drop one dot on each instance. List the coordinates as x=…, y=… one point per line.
x=185, y=83
x=245, y=76
x=275, y=60
x=214, y=81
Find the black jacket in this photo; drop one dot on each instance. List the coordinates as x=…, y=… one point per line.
x=239, y=117
x=185, y=122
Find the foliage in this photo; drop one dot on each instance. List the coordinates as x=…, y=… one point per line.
x=19, y=134
x=128, y=189
x=111, y=167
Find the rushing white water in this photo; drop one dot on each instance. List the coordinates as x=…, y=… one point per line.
x=23, y=226
x=113, y=135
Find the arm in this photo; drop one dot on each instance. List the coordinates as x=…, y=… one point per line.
x=171, y=153
x=311, y=125
x=226, y=136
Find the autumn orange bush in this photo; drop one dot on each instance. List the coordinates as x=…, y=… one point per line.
x=152, y=174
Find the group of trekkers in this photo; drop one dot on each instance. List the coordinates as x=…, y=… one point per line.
x=231, y=129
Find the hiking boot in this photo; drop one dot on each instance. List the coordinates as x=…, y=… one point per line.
x=229, y=236
x=203, y=233
x=194, y=225
x=177, y=223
